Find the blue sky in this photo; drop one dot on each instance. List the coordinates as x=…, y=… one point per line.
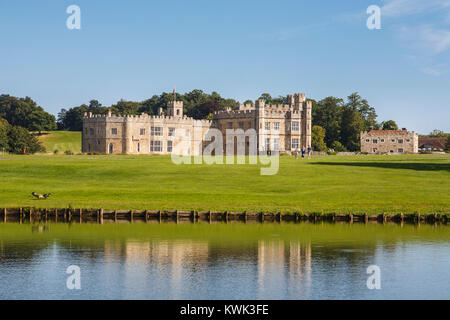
x=133, y=49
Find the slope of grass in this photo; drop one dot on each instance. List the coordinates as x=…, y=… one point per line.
x=61, y=141
x=340, y=184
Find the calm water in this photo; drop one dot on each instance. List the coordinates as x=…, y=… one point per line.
x=237, y=261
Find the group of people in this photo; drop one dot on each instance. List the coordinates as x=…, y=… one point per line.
x=303, y=151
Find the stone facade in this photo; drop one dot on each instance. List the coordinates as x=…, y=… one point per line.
x=389, y=141
x=277, y=127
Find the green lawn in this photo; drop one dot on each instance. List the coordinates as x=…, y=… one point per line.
x=61, y=141
x=340, y=184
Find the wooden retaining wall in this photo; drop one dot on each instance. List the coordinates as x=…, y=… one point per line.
x=70, y=215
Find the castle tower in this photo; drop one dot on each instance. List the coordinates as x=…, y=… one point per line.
x=306, y=123
x=260, y=119
x=175, y=109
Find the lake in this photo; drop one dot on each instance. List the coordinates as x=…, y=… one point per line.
x=224, y=261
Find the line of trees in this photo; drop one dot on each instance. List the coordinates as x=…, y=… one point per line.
x=336, y=123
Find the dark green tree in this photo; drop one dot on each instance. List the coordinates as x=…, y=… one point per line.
x=447, y=145
x=368, y=113
x=25, y=113
x=338, y=147
x=4, y=135
x=20, y=140
x=352, y=123
x=327, y=114
x=389, y=125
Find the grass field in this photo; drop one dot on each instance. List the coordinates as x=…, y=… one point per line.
x=341, y=184
x=61, y=141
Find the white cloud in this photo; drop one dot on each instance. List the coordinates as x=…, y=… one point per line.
x=396, y=8
x=427, y=38
x=431, y=71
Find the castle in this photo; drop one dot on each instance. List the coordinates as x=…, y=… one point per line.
x=281, y=127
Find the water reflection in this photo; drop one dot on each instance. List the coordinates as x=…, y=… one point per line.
x=329, y=263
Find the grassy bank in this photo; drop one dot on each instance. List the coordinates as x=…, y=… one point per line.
x=328, y=184
x=61, y=141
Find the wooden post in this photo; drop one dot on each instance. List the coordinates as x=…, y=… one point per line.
x=280, y=217
x=81, y=215
x=226, y=216
x=31, y=215
x=20, y=215
x=115, y=215
x=101, y=216
x=209, y=216
x=70, y=215
x=131, y=216
x=366, y=218
x=56, y=215
x=245, y=216
x=262, y=217
x=46, y=214
x=418, y=218
x=159, y=213
x=4, y=214
x=146, y=216
x=350, y=217
x=177, y=215
x=65, y=215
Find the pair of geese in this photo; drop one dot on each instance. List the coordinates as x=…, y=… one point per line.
x=41, y=196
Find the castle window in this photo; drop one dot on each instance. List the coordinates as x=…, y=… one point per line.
x=155, y=146
x=156, y=131
x=276, y=143
x=139, y=147
x=169, y=146
x=267, y=144
x=382, y=140
x=114, y=131
x=178, y=112
x=400, y=150
x=391, y=151
x=367, y=140
x=392, y=140
x=267, y=125
x=142, y=131
x=91, y=131
x=276, y=126
x=374, y=150
x=249, y=124
x=230, y=125
x=407, y=140
x=98, y=141
x=89, y=147
x=111, y=148
x=294, y=143
x=171, y=132
x=400, y=140
x=295, y=126
x=375, y=141
x=241, y=125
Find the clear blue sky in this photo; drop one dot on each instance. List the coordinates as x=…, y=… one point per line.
x=134, y=49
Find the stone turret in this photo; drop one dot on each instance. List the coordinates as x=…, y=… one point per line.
x=175, y=109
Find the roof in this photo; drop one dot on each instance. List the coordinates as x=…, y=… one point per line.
x=436, y=143
x=389, y=132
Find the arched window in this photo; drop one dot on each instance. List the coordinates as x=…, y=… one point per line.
x=178, y=112
x=111, y=148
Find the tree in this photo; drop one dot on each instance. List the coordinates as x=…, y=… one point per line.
x=327, y=114
x=389, y=125
x=266, y=97
x=4, y=135
x=438, y=133
x=317, y=138
x=447, y=145
x=123, y=107
x=352, y=123
x=355, y=102
x=25, y=113
x=204, y=110
x=19, y=139
x=338, y=147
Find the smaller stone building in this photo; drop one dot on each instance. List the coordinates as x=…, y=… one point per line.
x=389, y=141
x=432, y=144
